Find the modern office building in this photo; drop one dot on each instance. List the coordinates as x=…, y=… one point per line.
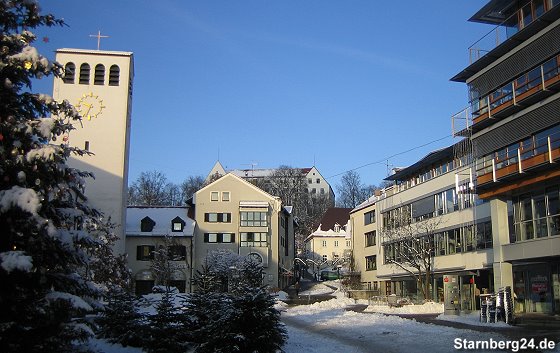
x=430, y=217
x=513, y=124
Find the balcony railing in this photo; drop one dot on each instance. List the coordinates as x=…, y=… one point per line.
x=519, y=91
x=513, y=161
x=513, y=24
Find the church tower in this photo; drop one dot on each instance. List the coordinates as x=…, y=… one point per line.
x=99, y=84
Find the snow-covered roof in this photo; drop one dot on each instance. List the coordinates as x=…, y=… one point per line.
x=343, y=232
x=162, y=216
x=370, y=201
x=261, y=173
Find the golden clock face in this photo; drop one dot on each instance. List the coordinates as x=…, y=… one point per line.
x=90, y=106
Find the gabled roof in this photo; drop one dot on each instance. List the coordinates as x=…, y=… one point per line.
x=239, y=179
x=333, y=216
x=162, y=216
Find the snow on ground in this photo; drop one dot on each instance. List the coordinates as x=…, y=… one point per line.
x=426, y=308
x=369, y=331
x=102, y=346
x=329, y=326
x=471, y=319
x=318, y=289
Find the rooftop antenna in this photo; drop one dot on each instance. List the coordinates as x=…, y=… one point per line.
x=252, y=164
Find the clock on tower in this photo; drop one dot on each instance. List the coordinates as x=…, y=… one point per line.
x=99, y=84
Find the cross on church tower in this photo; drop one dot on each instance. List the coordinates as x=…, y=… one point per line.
x=98, y=36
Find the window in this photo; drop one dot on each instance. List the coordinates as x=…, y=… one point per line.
x=86, y=146
x=147, y=224
x=322, y=191
x=144, y=287
x=309, y=181
x=177, y=252
x=214, y=196
x=484, y=235
x=217, y=217
x=254, y=239
x=84, y=74
x=145, y=252
x=225, y=196
x=369, y=217
x=99, y=77
x=348, y=243
x=536, y=215
x=324, y=243
x=318, y=181
x=370, y=238
x=325, y=258
x=177, y=224
x=219, y=237
x=314, y=191
x=114, y=73
x=371, y=263
x=181, y=285
x=69, y=73
x=336, y=243
x=253, y=219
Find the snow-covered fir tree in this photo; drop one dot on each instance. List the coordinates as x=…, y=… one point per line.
x=50, y=239
x=237, y=317
x=120, y=321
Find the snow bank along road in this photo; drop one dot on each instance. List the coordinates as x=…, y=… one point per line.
x=327, y=326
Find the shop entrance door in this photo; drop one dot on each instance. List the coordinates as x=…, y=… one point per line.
x=539, y=289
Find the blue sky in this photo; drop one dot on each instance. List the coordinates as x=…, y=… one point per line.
x=288, y=82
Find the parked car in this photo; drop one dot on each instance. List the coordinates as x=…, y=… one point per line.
x=329, y=275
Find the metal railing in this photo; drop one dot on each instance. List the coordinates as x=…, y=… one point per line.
x=513, y=93
x=509, y=27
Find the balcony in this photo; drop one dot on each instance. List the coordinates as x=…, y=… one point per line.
x=531, y=154
x=542, y=81
x=521, y=19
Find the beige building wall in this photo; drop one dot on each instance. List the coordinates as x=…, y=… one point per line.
x=232, y=195
x=328, y=245
x=361, y=248
x=107, y=130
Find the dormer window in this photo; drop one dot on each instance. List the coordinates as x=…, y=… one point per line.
x=177, y=224
x=337, y=227
x=147, y=224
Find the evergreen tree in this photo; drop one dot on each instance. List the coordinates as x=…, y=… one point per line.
x=243, y=319
x=47, y=254
x=120, y=321
x=169, y=327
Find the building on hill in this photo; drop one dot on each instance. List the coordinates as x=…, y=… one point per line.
x=99, y=84
x=153, y=231
x=513, y=126
x=233, y=214
x=330, y=244
x=314, y=183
